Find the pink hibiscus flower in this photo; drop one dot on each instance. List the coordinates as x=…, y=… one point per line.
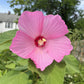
x=41, y=38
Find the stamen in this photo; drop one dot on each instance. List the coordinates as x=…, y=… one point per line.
x=40, y=41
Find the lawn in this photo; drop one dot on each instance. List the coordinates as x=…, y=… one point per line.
x=6, y=38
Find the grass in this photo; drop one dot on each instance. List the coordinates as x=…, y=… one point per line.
x=5, y=46
x=6, y=38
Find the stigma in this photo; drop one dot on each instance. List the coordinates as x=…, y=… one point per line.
x=40, y=41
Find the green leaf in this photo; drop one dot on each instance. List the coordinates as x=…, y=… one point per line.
x=19, y=68
x=72, y=64
x=11, y=66
x=80, y=83
x=2, y=66
x=53, y=74
x=23, y=62
x=15, y=77
x=0, y=73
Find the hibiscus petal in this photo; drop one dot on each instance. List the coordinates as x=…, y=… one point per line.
x=31, y=23
x=54, y=27
x=22, y=45
x=41, y=58
x=58, y=48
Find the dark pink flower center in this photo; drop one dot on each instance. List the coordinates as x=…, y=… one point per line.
x=40, y=41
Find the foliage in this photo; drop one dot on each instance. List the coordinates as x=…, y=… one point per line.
x=51, y=74
x=15, y=70
x=15, y=77
x=72, y=64
x=81, y=13
x=13, y=67
x=75, y=34
x=66, y=8
x=80, y=24
x=76, y=78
